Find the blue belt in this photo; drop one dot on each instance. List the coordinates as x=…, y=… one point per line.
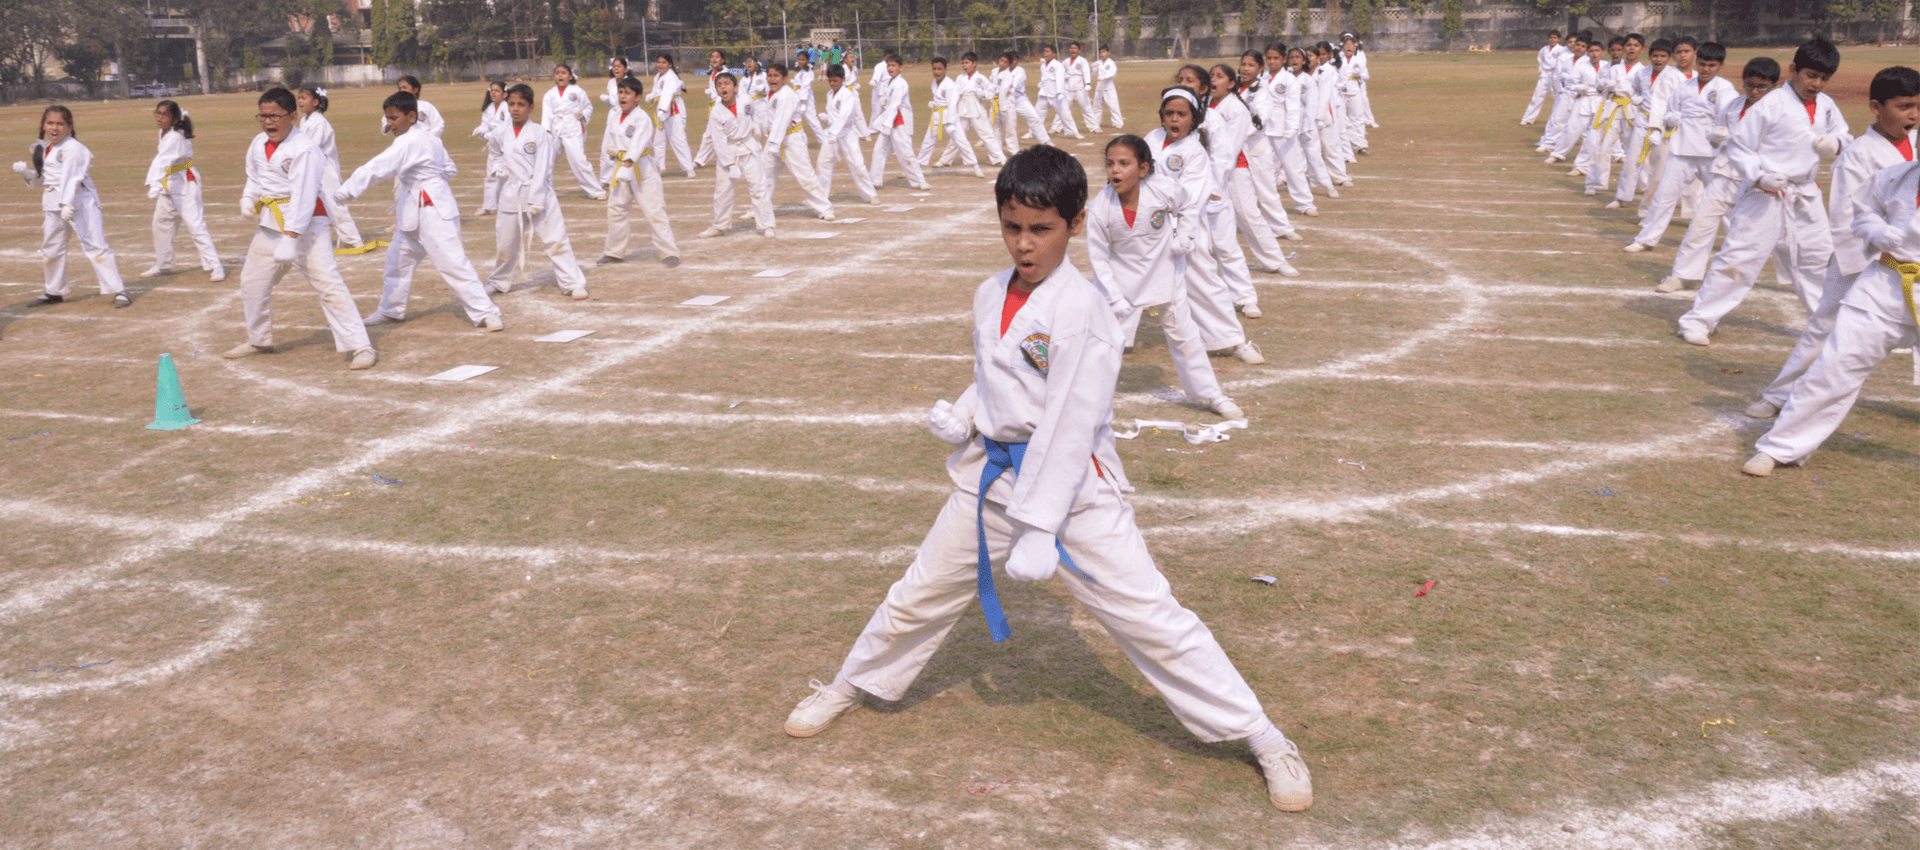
x=1000, y=458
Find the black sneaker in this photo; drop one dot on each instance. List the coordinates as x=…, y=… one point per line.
x=609, y=260
x=44, y=300
x=670, y=262
x=121, y=300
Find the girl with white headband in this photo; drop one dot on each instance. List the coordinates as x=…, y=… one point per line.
x=312, y=103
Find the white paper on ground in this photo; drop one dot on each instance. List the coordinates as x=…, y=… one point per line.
x=561, y=336
x=1265, y=579
x=461, y=373
x=1214, y=433
x=818, y=235
x=923, y=194
x=704, y=300
x=900, y=208
x=775, y=273
x=848, y=220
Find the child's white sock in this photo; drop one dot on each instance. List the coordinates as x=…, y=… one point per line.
x=1264, y=742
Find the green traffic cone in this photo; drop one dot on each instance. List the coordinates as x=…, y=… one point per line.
x=169, y=401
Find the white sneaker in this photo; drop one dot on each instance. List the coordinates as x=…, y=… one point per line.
x=1635, y=248
x=1760, y=465
x=1591, y=192
x=1346, y=184
x=1577, y=172
x=1554, y=157
x=1310, y=212
x=766, y=231
x=364, y=359
x=579, y=294
x=1762, y=409
x=1332, y=192
x=219, y=274
x=815, y=713
x=1542, y=149
x=711, y=232
x=746, y=216
x=1251, y=311
x=156, y=271
x=494, y=323
x=1226, y=408
x=1293, y=236
x=978, y=173
x=1289, y=785
x=378, y=318
x=499, y=290
x=246, y=349
x=1249, y=353
x=1669, y=284
x=1613, y=205
x=1696, y=336
x=828, y=217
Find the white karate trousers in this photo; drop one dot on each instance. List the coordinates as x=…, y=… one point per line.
x=1131, y=599
x=1106, y=98
x=313, y=259
x=645, y=193
x=1871, y=321
x=87, y=227
x=549, y=226
x=1558, y=120
x=847, y=148
x=1792, y=227
x=574, y=149
x=938, y=133
x=1541, y=88
x=344, y=230
x=1183, y=342
x=437, y=239
x=176, y=207
x=1022, y=110
x=1245, y=201
x=958, y=143
x=723, y=191
x=896, y=142
x=1680, y=171
x=1696, y=245
x=1291, y=153
x=1210, y=296
x=675, y=128
x=791, y=155
x=1265, y=167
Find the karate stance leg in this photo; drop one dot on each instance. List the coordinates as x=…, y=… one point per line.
x=1246, y=213
x=509, y=237
x=676, y=130
x=166, y=218
x=1821, y=399
x=1696, y=246
x=1540, y=90
x=620, y=201
x=1753, y=228
x=343, y=226
x=550, y=227
x=1291, y=154
x=440, y=239
x=315, y=261
x=1813, y=338
x=90, y=231
x=403, y=256
x=795, y=161
x=575, y=150
x=1189, y=352
x=193, y=214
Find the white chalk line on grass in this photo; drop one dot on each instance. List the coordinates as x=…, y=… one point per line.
x=1692, y=819
x=1706, y=540
x=229, y=634
x=166, y=537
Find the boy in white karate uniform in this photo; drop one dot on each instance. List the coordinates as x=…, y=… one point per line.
x=427, y=218
x=974, y=102
x=524, y=154
x=1877, y=315
x=1079, y=76
x=1609, y=121
x=1106, y=93
x=174, y=185
x=1015, y=107
x=1548, y=62
x=670, y=113
x=801, y=80
x=942, y=118
x=69, y=207
x=429, y=114
x=842, y=141
x=1692, y=116
x=1776, y=150
x=1037, y=478
x=1654, y=151
x=285, y=176
x=1894, y=99
x=632, y=146
x=564, y=111
x=716, y=65
x=787, y=148
x=1588, y=76
x=736, y=147
x=1052, y=107
x=1564, y=81
x=893, y=120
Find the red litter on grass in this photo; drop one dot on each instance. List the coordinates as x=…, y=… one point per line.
x=1424, y=588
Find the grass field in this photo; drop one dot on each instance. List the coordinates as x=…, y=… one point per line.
x=614, y=564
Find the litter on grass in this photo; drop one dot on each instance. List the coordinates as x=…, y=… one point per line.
x=562, y=336
x=461, y=373
x=818, y=235
x=898, y=208
x=1196, y=435
x=1606, y=491
x=1265, y=579
x=1424, y=588
x=1363, y=467
x=34, y=434
x=704, y=300
x=775, y=273
x=55, y=668
x=1720, y=722
x=382, y=479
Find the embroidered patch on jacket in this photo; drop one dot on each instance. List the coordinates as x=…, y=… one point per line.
x=629, y=132
x=1174, y=162
x=1034, y=348
x=286, y=165
x=1159, y=219
x=530, y=148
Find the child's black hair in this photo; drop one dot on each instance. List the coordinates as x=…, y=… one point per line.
x=894, y=57
x=1585, y=36
x=970, y=56
x=664, y=55
x=1010, y=56
x=1818, y=55
x=1616, y=41
x=182, y=124
x=1553, y=33
x=1141, y=151
x=729, y=77
x=938, y=60
x=524, y=91
x=571, y=76
x=1634, y=36
x=1712, y=51
x=1661, y=45
x=40, y=148
x=633, y=85
x=1332, y=54
x=1075, y=44
x=782, y=68
x=1897, y=81
x=1043, y=177
x=406, y=103
x=319, y=97
x=1275, y=47
x=284, y=99
x=1763, y=67
x=623, y=63
x=1048, y=48
x=1686, y=40
x=836, y=72
x=486, y=101
x=1206, y=79
x=413, y=82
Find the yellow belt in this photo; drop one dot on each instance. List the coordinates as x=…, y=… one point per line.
x=178, y=168
x=1647, y=148
x=273, y=205
x=621, y=157
x=1908, y=272
x=995, y=118
x=797, y=126
x=939, y=126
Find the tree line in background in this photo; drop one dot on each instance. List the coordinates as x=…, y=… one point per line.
x=246, y=35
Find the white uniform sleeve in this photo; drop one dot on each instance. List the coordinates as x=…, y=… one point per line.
x=1081, y=375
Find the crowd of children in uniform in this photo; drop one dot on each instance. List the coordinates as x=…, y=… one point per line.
x=1742, y=157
